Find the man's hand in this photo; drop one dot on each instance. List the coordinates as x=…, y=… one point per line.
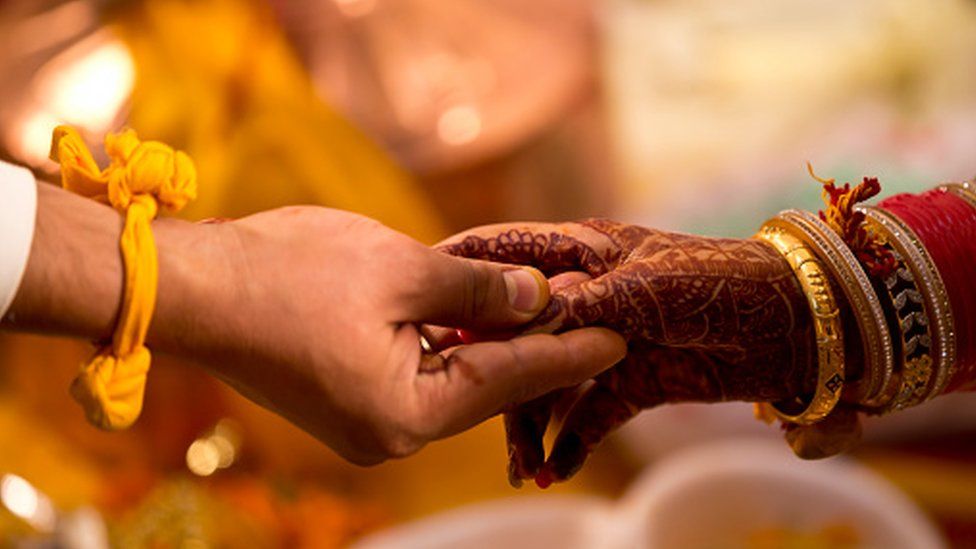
x=313, y=313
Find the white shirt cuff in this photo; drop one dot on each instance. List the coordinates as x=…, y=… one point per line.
x=18, y=209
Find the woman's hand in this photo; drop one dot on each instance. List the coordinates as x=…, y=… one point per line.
x=706, y=319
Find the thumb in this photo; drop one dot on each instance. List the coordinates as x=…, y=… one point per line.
x=469, y=293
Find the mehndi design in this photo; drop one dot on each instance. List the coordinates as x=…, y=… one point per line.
x=707, y=319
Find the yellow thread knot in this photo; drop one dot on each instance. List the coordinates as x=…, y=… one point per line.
x=141, y=177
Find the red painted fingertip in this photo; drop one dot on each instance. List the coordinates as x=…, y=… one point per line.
x=466, y=337
x=543, y=479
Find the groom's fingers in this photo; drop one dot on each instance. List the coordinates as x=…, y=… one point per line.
x=477, y=381
x=462, y=292
x=440, y=338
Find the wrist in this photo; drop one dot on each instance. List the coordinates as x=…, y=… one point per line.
x=193, y=283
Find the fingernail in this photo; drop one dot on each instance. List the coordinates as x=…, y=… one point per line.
x=513, y=476
x=544, y=479
x=525, y=289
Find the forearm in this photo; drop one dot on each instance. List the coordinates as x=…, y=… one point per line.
x=73, y=282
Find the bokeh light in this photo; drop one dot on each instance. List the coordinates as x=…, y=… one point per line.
x=86, y=85
x=24, y=501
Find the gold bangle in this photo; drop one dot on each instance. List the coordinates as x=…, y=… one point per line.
x=941, y=324
x=965, y=191
x=879, y=356
x=970, y=186
x=826, y=323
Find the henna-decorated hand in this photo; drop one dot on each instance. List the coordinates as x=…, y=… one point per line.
x=706, y=319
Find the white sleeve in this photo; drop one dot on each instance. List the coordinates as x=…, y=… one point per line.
x=18, y=208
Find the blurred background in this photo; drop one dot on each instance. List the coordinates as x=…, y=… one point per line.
x=433, y=116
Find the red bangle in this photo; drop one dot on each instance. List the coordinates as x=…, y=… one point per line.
x=946, y=226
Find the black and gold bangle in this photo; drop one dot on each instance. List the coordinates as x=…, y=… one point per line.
x=879, y=362
x=927, y=280
x=828, y=329
x=906, y=300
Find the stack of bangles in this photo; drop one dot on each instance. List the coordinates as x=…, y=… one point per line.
x=901, y=268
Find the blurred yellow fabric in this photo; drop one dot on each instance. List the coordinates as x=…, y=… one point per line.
x=218, y=79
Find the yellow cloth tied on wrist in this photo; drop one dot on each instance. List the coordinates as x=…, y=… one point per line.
x=141, y=178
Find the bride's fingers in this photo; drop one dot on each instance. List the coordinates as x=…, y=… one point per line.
x=526, y=424
x=596, y=414
x=525, y=429
x=564, y=404
x=566, y=280
x=601, y=301
x=623, y=300
x=552, y=248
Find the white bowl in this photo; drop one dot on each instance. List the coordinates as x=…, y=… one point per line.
x=718, y=495
x=516, y=523
x=710, y=496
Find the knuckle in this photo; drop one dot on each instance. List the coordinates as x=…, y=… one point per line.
x=416, y=274
x=421, y=268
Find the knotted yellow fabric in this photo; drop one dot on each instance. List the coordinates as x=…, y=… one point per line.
x=141, y=177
